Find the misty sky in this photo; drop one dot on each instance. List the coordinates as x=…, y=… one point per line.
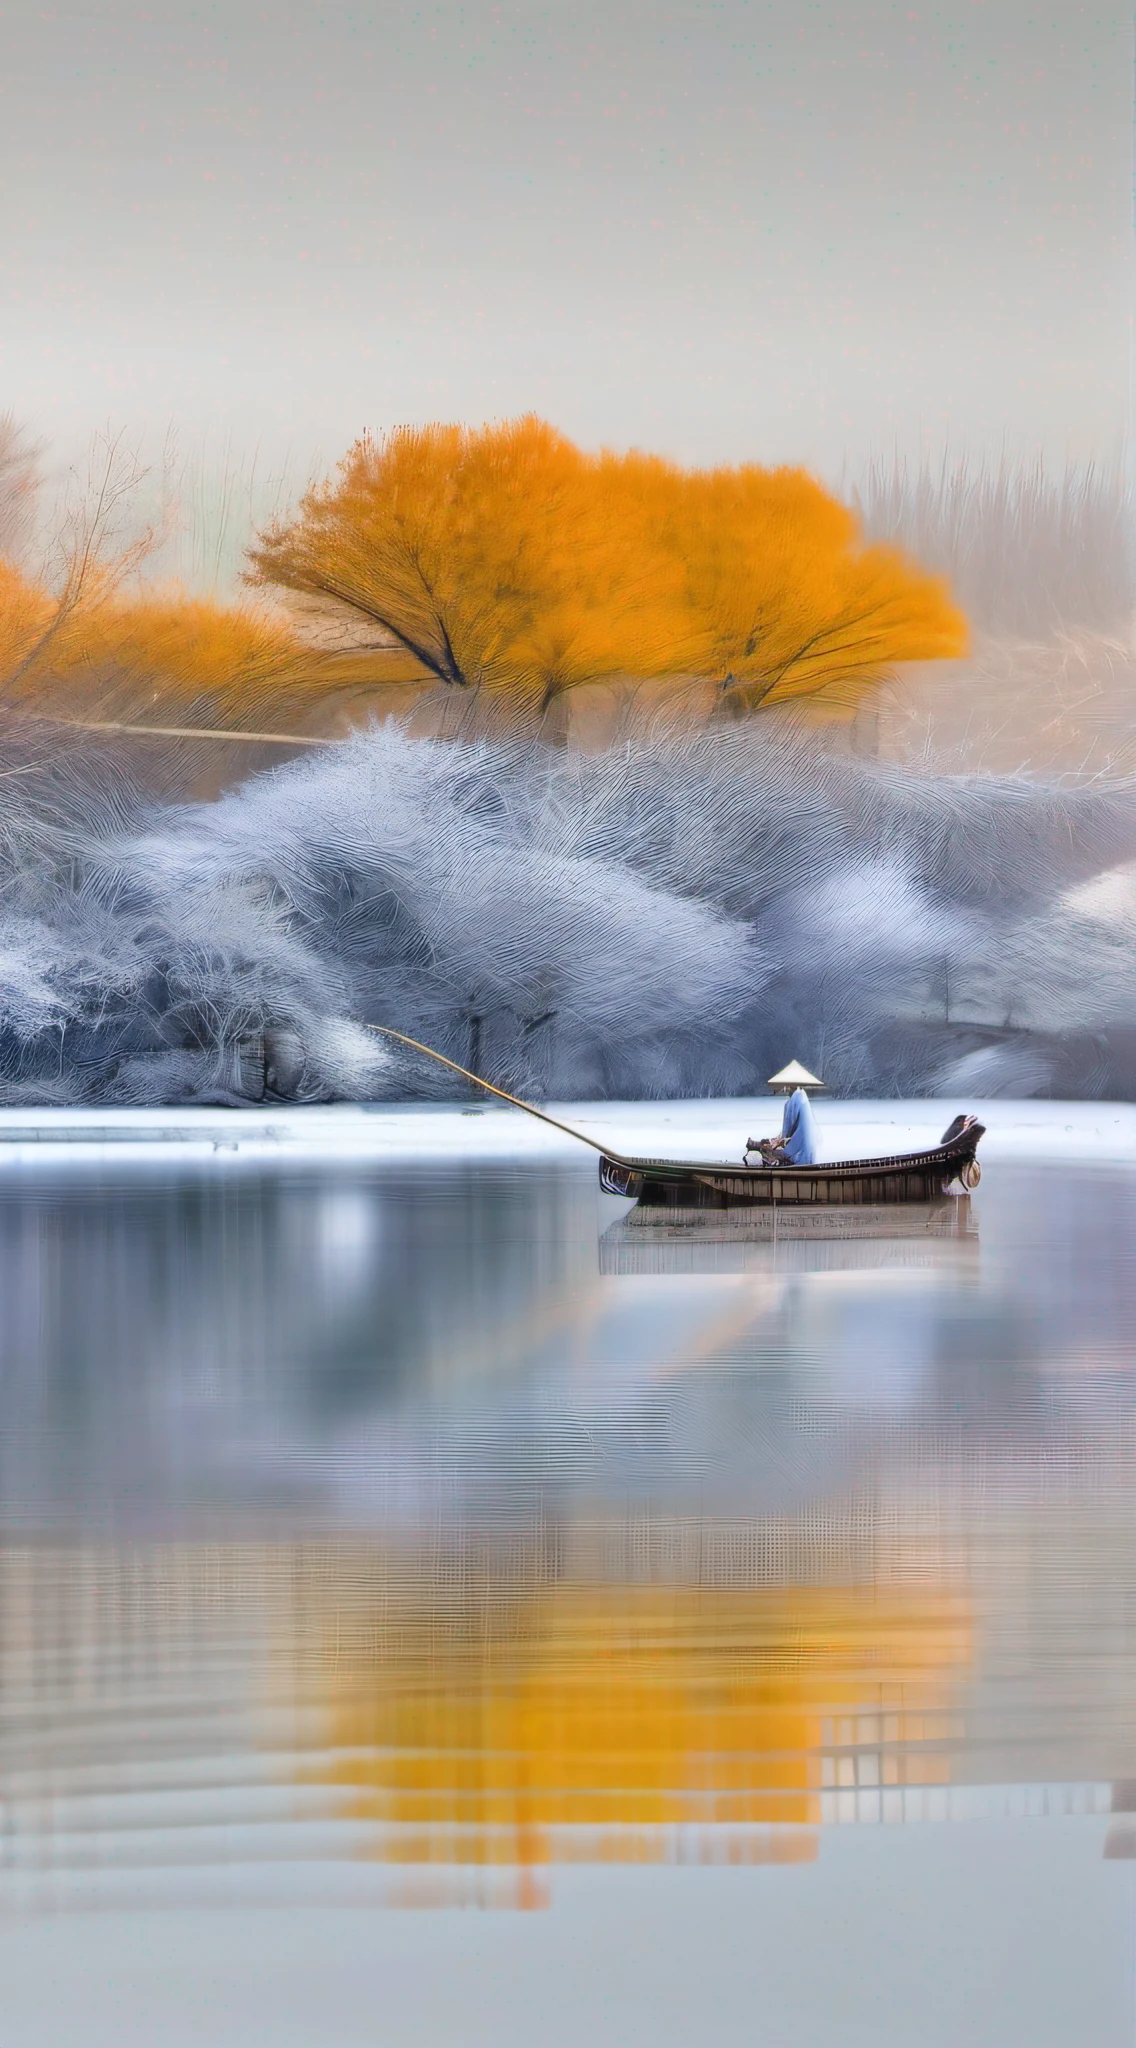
x=777, y=230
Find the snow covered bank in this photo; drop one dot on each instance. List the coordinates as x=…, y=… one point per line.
x=439, y=1135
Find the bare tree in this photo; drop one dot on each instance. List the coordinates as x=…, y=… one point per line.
x=96, y=546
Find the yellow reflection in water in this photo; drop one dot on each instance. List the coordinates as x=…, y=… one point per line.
x=624, y=1722
x=455, y=1722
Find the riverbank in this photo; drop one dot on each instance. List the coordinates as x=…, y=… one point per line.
x=717, y=1129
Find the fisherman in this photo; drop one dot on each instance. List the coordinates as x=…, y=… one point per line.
x=799, y=1139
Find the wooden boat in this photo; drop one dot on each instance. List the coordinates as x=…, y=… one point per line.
x=901, y=1177
x=665, y=1184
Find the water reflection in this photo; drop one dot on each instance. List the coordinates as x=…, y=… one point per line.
x=431, y=1528
x=599, y=1722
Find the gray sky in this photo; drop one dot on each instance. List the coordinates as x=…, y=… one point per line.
x=722, y=228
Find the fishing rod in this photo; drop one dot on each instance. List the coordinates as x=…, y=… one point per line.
x=388, y=1031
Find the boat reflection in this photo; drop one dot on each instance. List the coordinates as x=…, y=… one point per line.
x=914, y=1234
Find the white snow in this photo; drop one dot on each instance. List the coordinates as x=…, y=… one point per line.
x=1099, y=1131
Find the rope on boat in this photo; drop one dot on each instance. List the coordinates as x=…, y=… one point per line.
x=388, y=1031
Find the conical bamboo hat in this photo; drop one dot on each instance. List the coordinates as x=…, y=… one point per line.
x=794, y=1076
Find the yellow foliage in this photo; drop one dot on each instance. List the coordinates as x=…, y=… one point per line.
x=26, y=613
x=185, y=652
x=788, y=604
x=501, y=560
x=130, y=649
x=164, y=656
x=505, y=559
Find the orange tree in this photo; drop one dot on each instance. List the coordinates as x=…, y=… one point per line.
x=95, y=650
x=504, y=559
x=87, y=641
x=111, y=654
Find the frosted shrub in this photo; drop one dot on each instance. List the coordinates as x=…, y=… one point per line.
x=676, y=916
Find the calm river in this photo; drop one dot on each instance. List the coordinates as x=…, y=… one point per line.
x=434, y=1609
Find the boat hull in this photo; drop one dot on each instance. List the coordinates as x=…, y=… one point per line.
x=905, y=1177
